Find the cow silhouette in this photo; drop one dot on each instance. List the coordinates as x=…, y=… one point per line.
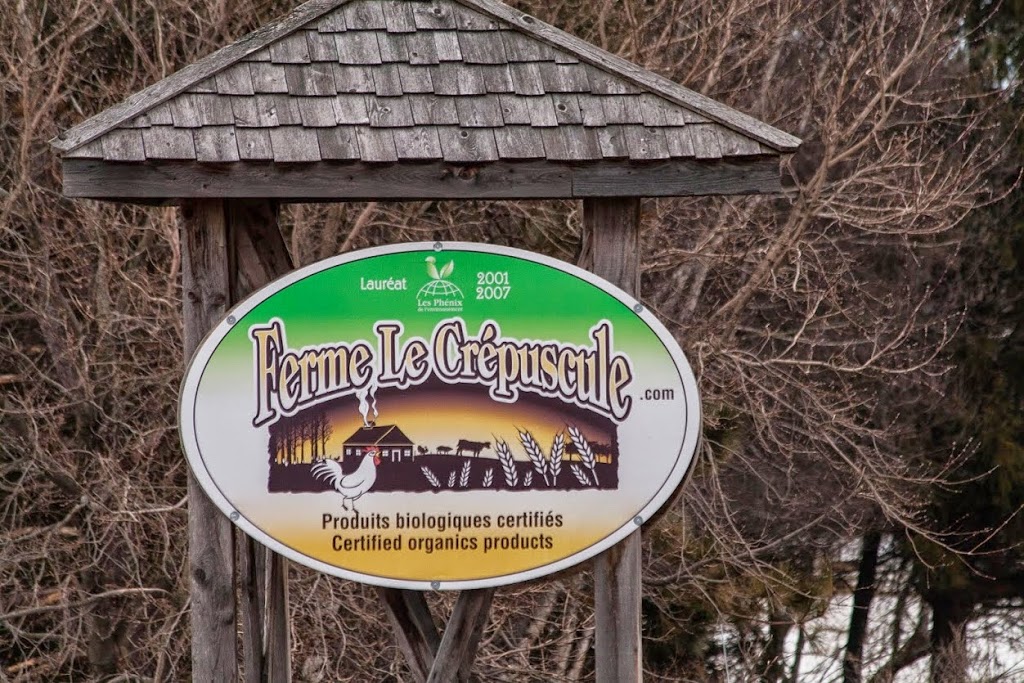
x=473, y=447
x=444, y=450
x=422, y=450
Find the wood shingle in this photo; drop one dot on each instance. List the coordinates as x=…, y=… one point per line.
x=254, y=144
x=338, y=143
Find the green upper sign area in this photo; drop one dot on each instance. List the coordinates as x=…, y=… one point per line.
x=529, y=300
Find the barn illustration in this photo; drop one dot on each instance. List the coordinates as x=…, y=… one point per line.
x=390, y=441
x=433, y=442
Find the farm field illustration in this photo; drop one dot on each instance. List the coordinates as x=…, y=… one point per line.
x=425, y=440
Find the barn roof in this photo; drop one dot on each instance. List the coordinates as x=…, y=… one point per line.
x=384, y=435
x=394, y=81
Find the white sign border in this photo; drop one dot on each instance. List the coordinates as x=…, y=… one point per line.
x=206, y=349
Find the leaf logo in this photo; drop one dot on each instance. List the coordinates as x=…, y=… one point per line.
x=445, y=271
x=440, y=294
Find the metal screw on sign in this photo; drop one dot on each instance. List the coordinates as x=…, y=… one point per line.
x=436, y=585
x=438, y=246
x=232, y=320
x=638, y=520
x=234, y=516
x=639, y=308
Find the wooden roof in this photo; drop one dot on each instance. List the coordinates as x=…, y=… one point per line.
x=395, y=81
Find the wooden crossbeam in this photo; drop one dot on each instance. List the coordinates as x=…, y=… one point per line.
x=414, y=629
x=434, y=659
x=326, y=181
x=462, y=636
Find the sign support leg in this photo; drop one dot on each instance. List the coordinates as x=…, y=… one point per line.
x=278, y=635
x=228, y=250
x=457, y=651
x=611, y=232
x=205, y=297
x=258, y=254
x=414, y=628
x=431, y=658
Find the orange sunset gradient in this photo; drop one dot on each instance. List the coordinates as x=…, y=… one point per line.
x=433, y=418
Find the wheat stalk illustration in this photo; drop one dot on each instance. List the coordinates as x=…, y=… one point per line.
x=488, y=478
x=581, y=476
x=528, y=480
x=536, y=454
x=585, y=451
x=555, y=463
x=451, y=480
x=434, y=481
x=508, y=463
x=464, y=476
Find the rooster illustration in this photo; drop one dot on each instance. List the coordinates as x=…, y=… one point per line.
x=350, y=486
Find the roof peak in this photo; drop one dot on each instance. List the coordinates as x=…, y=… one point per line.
x=506, y=17
x=385, y=435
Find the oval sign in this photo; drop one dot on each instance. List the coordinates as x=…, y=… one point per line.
x=432, y=416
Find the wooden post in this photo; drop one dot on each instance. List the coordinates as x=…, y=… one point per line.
x=266, y=645
x=252, y=608
x=455, y=655
x=611, y=230
x=431, y=658
x=414, y=629
x=205, y=297
x=277, y=634
x=258, y=255
x=228, y=250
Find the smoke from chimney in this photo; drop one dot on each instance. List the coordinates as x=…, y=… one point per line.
x=367, y=403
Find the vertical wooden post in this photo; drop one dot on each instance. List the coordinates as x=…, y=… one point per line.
x=258, y=254
x=266, y=643
x=251, y=578
x=278, y=645
x=228, y=250
x=612, y=238
x=205, y=298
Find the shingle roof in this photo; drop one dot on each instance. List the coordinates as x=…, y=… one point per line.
x=461, y=81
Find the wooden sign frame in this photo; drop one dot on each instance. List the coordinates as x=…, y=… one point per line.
x=202, y=139
x=231, y=247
